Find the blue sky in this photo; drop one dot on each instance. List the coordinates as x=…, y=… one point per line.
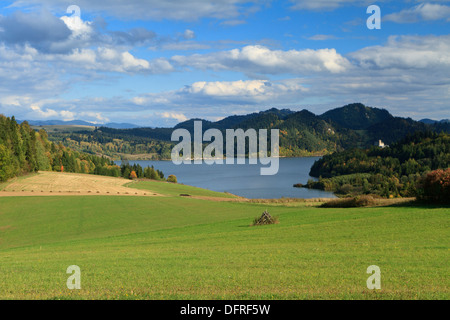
x=155, y=63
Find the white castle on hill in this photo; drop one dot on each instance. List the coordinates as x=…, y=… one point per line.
x=380, y=144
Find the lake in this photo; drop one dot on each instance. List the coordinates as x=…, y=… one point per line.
x=245, y=180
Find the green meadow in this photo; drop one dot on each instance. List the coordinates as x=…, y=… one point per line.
x=171, y=189
x=176, y=247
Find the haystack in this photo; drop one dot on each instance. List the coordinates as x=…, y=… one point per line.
x=265, y=218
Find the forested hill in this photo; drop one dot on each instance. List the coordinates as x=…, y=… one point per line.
x=357, y=116
x=24, y=150
x=353, y=125
x=391, y=171
x=302, y=133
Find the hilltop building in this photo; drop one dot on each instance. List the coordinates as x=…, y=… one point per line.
x=381, y=144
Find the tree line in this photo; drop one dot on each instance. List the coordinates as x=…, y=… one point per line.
x=23, y=151
x=389, y=172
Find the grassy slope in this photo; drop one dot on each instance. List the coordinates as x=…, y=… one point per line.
x=176, y=189
x=175, y=247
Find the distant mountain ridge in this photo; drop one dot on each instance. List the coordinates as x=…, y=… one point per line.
x=355, y=116
x=430, y=121
x=353, y=125
x=302, y=133
x=78, y=123
x=235, y=120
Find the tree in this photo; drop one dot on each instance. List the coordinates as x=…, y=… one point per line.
x=23, y=150
x=435, y=186
x=126, y=173
x=5, y=163
x=133, y=175
x=172, y=178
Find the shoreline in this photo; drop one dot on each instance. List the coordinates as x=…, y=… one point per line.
x=224, y=158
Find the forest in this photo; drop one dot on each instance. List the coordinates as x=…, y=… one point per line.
x=392, y=171
x=24, y=150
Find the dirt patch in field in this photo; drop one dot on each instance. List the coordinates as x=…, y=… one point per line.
x=57, y=183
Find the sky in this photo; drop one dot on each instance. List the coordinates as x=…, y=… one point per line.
x=157, y=63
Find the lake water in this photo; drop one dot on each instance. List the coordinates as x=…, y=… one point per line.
x=245, y=179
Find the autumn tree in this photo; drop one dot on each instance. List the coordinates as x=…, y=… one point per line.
x=133, y=175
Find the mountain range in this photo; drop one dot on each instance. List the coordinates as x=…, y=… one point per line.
x=353, y=125
x=302, y=133
x=430, y=121
x=353, y=116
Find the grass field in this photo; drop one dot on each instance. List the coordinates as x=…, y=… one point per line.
x=172, y=189
x=173, y=247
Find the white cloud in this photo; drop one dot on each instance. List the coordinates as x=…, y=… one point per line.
x=80, y=29
x=95, y=117
x=249, y=91
x=412, y=70
x=67, y=115
x=47, y=113
x=188, y=34
x=407, y=52
x=105, y=59
x=40, y=30
x=41, y=42
x=172, y=115
x=421, y=12
x=224, y=89
x=214, y=98
x=262, y=60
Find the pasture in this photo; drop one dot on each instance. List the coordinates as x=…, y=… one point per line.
x=173, y=247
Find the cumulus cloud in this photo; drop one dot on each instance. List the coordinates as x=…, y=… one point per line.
x=52, y=35
x=217, y=97
x=74, y=37
x=404, y=75
x=407, y=70
x=48, y=113
x=421, y=12
x=39, y=30
x=262, y=60
x=111, y=60
x=44, y=46
x=172, y=115
x=79, y=28
x=407, y=52
x=250, y=91
x=224, y=89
